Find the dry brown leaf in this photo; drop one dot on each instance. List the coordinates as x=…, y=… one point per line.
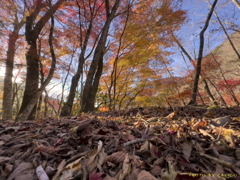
x=91, y=156
x=144, y=175
x=221, y=121
x=126, y=168
x=116, y=157
x=24, y=171
x=59, y=169
x=187, y=149
x=172, y=115
x=209, y=114
x=206, y=133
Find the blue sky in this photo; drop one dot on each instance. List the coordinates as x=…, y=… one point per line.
x=189, y=33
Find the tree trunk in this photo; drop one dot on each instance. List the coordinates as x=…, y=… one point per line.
x=31, y=79
x=64, y=83
x=90, y=104
x=45, y=104
x=204, y=81
x=7, y=90
x=236, y=3
x=7, y=104
x=200, y=54
x=33, y=101
x=99, y=51
x=209, y=92
x=67, y=108
x=31, y=34
x=189, y=70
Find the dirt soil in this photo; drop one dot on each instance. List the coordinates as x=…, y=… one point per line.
x=140, y=143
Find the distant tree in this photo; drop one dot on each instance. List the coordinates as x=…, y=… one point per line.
x=10, y=14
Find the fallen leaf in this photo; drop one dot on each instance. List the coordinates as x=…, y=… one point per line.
x=187, y=149
x=144, y=175
x=169, y=174
x=126, y=168
x=24, y=171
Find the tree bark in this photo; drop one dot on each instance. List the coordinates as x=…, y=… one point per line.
x=40, y=98
x=7, y=90
x=45, y=104
x=31, y=34
x=99, y=51
x=7, y=103
x=33, y=101
x=189, y=71
x=92, y=96
x=67, y=108
x=64, y=83
x=236, y=3
x=200, y=55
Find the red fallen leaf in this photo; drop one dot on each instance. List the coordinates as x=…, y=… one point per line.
x=59, y=141
x=97, y=176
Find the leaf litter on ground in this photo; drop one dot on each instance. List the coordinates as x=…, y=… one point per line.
x=138, y=143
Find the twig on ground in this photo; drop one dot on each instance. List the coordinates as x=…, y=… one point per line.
x=220, y=132
x=219, y=161
x=146, y=131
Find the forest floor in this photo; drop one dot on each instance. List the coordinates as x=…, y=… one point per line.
x=141, y=144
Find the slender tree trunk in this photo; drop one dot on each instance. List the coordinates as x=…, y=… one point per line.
x=99, y=51
x=67, y=108
x=7, y=90
x=204, y=81
x=7, y=104
x=46, y=104
x=64, y=83
x=236, y=3
x=40, y=98
x=189, y=71
x=200, y=54
x=14, y=92
x=17, y=98
x=213, y=100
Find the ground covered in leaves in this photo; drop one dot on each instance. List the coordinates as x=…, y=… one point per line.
x=141, y=144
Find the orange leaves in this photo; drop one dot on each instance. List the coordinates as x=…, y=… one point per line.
x=172, y=115
x=199, y=124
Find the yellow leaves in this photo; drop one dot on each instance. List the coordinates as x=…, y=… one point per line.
x=209, y=114
x=225, y=132
x=152, y=47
